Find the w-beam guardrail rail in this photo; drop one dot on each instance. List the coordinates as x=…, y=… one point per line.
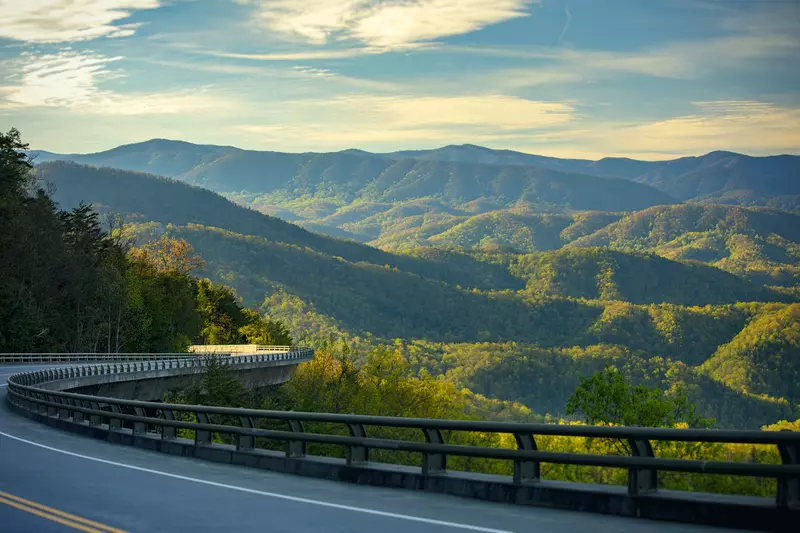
x=35, y=358
x=237, y=348
x=155, y=426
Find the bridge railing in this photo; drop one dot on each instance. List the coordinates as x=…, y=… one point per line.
x=234, y=349
x=209, y=351
x=34, y=358
x=6, y=358
x=642, y=465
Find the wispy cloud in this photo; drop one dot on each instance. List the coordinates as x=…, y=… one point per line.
x=305, y=55
x=383, y=24
x=401, y=120
x=566, y=23
x=681, y=60
x=748, y=126
x=315, y=72
x=754, y=127
x=63, y=79
x=74, y=80
x=53, y=21
x=494, y=111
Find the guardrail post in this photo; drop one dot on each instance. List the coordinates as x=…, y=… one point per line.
x=641, y=480
x=139, y=427
x=77, y=416
x=114, y=423
x=296, y=448
x=51, y=409
x=27, y=398
x=168, y=432
x=95, y=420
x=202, y=437
x=32, y=405
x=63, y=412
x=526, y=471
x=357, y=454
x=789, y=488
x=433, y=463
x=40, y=407
x=245, y=442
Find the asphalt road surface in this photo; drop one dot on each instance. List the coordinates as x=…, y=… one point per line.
x=54, y=481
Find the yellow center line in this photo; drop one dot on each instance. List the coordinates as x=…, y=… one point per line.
x=76, y=522
x=50, y=517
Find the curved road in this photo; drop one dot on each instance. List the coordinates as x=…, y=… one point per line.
x=53, y=481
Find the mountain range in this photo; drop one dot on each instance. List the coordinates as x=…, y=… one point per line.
x=524, y=293
x=373, y=197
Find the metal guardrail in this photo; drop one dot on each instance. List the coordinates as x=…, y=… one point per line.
x=238, y=348
x=88, y=356
x=212, y=351
x=642, y=465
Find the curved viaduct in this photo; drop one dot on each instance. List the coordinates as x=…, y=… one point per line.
x=53, y=478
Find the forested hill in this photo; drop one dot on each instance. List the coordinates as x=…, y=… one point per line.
x=762, y=245
x=718, y=176
x=149, y=198
x=604, y=274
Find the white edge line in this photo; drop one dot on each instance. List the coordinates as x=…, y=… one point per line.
x=264, y=493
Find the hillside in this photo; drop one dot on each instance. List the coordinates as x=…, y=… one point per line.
x=149, y=198
x=495, y=230
x=604, y=274
x=763, y=357
x=760, y=244
x=720, y=177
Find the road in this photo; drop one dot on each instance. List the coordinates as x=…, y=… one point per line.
x=54, y=481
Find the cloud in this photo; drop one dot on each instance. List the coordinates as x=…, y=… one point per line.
x=53, y=21
x=294, y=56
x=680, y=60
x=477, y=112
x=63, y=79
x=566, y=23
x=752, y=127
x=314, y=72
x=738, y=125
x=492, y=111
x=404, y=121
x=383, y=24
x=73, y=80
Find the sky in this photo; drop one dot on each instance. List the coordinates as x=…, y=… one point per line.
x=648, y=79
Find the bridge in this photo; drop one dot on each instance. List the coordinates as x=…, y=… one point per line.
x=214, y=474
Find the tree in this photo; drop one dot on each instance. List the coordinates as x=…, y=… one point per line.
x=609, y=398
x=169, y=254
x=222, y=317
x=259, y=330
